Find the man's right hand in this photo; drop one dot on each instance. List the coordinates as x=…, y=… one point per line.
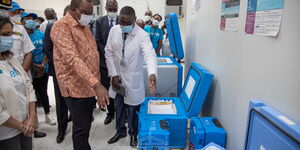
x=115, y=82
x=102, y=96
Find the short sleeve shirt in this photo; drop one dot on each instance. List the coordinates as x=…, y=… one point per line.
x=22, y=43
x=155, y=34
x=38, y=53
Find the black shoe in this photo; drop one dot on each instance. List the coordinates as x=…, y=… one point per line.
x=108, y=119
x=116, y=138
x=60, y=137
x=38, y=134
x=133, y=141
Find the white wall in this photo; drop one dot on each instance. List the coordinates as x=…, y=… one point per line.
x=245, y=66
x=38, y=6
x=140, y=6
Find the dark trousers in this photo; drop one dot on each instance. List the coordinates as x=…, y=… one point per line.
x=61, y=108
x=105, y=81
x=81, y=110
x=132, y=117
x=40, y=86
x=19, y=142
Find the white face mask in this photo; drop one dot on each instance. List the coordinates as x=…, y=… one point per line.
x=85, y=19
x=112, y=15
x=147, y=18
x=155, y=22
x=16, y=19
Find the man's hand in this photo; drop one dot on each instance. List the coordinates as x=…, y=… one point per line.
x=152, y=83
x=29, y=126
x=115, y=82
x=102, y=96
x=40, y=70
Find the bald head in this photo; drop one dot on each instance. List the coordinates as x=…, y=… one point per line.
x=50, y=13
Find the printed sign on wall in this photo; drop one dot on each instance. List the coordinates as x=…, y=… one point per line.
x=264, y=17
x=230, y=15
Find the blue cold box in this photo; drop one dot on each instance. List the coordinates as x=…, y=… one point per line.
x=205, y=130
x=188, y=104
x=268, y=129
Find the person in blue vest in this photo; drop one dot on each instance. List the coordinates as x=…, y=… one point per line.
x=155, y=33
x=40, y=66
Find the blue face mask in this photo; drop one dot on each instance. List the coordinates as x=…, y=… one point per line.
x=30, y=24
x=126, y=29
x=6, y=42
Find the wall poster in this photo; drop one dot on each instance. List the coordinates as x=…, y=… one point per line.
x=264, y=17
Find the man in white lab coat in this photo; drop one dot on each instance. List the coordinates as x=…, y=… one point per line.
x=128, y=47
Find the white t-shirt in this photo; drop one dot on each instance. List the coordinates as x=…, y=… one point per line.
x=19, y=85
x=43, y=26
x=166, y=49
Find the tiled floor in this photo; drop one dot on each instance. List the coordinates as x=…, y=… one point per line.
x=99, y=134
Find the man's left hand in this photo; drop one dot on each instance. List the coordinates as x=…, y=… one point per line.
x=152, y=83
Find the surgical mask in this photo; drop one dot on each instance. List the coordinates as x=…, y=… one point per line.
x=147, y=18
x=126, y=29
x=16, y=19
x=6, y=42
x=85, y=19
x=3, y=12
x=155, y=22
x=112, y=15
x=51, y=21
x=30, y=24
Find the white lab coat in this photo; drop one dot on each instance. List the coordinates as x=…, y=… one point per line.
x=138, y=49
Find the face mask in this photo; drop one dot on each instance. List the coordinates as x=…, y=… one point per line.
x=30, y=24
x=155, y=22
x=126, y=29
x=3, y=12
x=112, y=15
x=6, y=42
x=51, y=21
x=85, y=19
x=147, y=18
x=16, y=19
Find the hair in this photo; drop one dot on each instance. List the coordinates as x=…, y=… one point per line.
x=50, y=13
x=111, y=1
x=158, y=16
x=3, y=21
x=41, y=18
x=127, y=11
x=66, y=9
x=76, y=3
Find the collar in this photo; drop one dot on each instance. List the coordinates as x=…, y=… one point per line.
x=71, y=20
x=114, y=19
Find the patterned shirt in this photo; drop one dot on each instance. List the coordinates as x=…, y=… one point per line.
x=76, y=59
